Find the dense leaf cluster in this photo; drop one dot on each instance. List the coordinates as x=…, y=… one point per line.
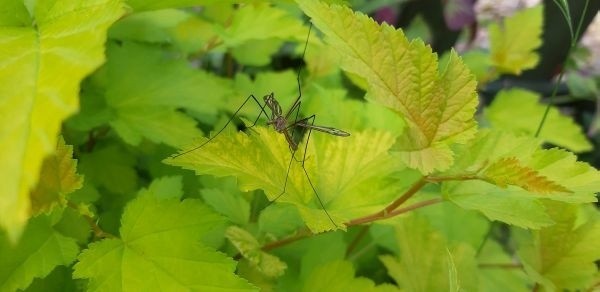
x=426, y=194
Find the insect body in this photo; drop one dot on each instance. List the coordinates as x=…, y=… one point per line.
x=281, y=124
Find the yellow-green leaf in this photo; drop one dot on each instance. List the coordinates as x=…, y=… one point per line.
x=261, y=21
x=58, y=178
x=425, y=261
x=553, y=172
x=46, y=51
x=520, y=111
x=510, y=171
x=269, y=265
x=512, y=43
x=349, y=174
x=561, y=257
x=438, y=107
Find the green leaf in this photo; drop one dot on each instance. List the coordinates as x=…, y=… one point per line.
x=60, y=279
x=152, y=26
x=426, y=263
x=145, y=88
x=438, y=107
x=510, y=171
x=304, y=257
x=110, y=167
x=562, y=256
x=46, y=52
x=270, y=265
x=261, y=21
x=353, y=114
x=349, y=174
x=514, y=41
x=279, y=220
x=283, y=84
x=168, y=187
x=40, y=250
x=227, y=200
x=256, y=52
x=495, y=276
x=57, y=179
x=161, y=237
x=337, y=276
x=515, y=205
x=519, y=111
x=478, y=61
x=456, y=224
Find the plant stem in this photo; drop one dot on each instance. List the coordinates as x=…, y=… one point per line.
x=275, y=244
x=361, y=234
x=98, y=232
x=305, y=233
x=501, y=265
x=385, y=213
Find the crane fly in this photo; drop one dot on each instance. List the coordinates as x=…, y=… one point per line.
x=282, y=124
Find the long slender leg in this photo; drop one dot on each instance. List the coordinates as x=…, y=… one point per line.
x=251, y=96
x=297, y=101
x=306, y=172
x=287, y=175
x=292, y=129
x=312, y=117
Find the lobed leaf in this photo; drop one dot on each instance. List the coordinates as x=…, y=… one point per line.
x=562, y=256
x=57, y=179
x=40, y=250
x=438, y=107
x=261, y=21
x=139, y=261
x=339, y=276
x=499, y=279
x=426, y=263
x=510, y=171
x=519, y=111
x=269, y=265
x=166, y=187
x=47, y=49
x=543, y=173
x=349, y=174
x=226, y=199
x=145, y=88
x=514, y=41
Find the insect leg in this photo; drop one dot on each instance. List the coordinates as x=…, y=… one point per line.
x=251, y=96
x=306, y=172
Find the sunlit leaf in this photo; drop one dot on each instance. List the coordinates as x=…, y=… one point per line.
x=538, y=173
x=160, y=237
x=562, y=256
x=164, y=188
x=261, y=21
x=495, y=275
x=519, y=111
x=426, y=263
x=338, y=276
x=514, y=41
x=250, y=248
x=46, y=52
x=349, y=173
x=438, y=106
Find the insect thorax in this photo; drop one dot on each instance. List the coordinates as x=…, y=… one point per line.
x=279, y=123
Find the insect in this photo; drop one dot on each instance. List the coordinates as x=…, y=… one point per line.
x=283, y=124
